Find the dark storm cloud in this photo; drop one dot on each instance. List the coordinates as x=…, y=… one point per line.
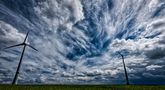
x=162, y=41
x=159, y=24
x=156, y=53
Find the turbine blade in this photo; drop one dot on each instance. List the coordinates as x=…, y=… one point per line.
x=26, y=36
x=13, y=46
x=32, y=47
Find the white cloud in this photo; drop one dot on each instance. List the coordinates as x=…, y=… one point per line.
x=153, y=4
x=153, y=67
x=60, y=13
x=9, y=34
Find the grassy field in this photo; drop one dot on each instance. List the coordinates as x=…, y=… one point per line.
x=79, y=87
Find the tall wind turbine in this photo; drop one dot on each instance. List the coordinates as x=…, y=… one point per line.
x=125, y=70
x=24, y=44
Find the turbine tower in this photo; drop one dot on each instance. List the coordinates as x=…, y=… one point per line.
x=125, y=70
x=24, y=44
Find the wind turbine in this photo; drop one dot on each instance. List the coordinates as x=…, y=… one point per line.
x=24, y=44
x=125, y=70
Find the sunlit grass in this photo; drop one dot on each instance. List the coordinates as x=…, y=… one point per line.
x=79, y=87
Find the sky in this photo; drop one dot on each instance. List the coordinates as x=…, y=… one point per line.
x=78, y=41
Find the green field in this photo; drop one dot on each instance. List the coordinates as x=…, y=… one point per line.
x=79, y=87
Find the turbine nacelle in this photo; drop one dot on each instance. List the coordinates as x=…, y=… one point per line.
x=22, y=44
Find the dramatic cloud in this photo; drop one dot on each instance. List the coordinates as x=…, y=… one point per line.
x=153, y=67
x=79, y=41
x=9, y=35
x=60, y=13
